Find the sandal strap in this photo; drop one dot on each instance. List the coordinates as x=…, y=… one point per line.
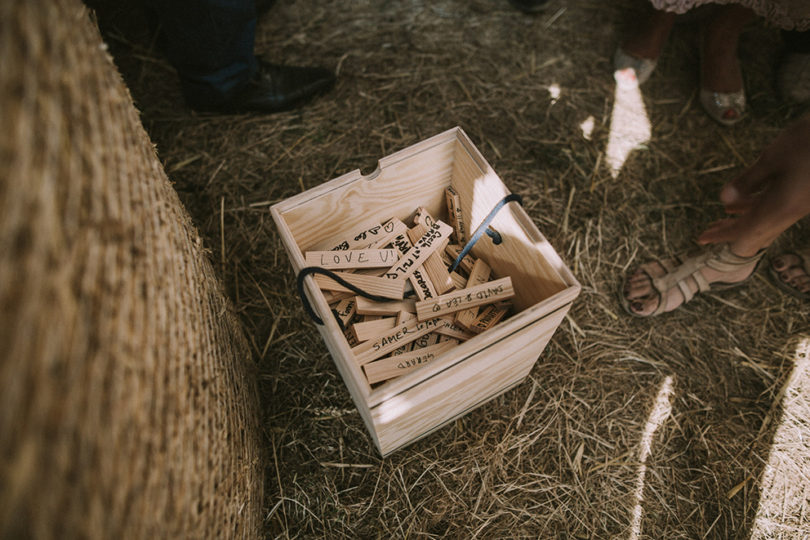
x=719, y=258
x=726, y=261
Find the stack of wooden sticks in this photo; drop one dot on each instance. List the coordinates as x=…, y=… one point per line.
x=430, y=310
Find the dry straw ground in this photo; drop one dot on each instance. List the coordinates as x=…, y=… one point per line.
x=579, y=450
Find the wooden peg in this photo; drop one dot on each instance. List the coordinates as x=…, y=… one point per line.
x=454, y=212
x=388, y=368
x=382, y=345
x=486, y=293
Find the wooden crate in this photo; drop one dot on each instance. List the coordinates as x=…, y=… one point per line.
x=409, y=407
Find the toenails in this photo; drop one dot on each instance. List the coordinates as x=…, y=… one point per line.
x=791, y=273
x=730, y=114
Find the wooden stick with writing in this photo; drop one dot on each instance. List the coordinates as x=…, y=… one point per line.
x=393, y=228
x=352, y=258
x=402, y=318
x=453, y=330
x=388, y=368
x=422, y=285
x=466, y=263
x=355, y=240
x=426, y=341
x=350, y=338
x=370, y=307
x=345, y=310
x=478, y=275
x=412, y=259
x=454, y=211
x=378, y=286
x=433, y=266
x=399, y=336
x=486, y=293
x=366, y=330
x=489, y=317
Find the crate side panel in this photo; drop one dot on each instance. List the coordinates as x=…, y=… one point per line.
x=409, y=415
x=355, y=382
x=396, y=190
x=461, y=414
x=514, y=324
x=352, y=375
x=522, y=254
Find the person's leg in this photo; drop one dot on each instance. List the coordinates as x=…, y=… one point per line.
x=722, y=93
x=635, y=60
x=793, y=77
x=649, y=40
x=720, y=68
x=706, y=270
x=210, y=44
x=765, y=200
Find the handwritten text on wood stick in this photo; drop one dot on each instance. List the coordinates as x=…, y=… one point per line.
x=395, y=366
x=421, y=283
x=353, y=258
x=488, y=318
x=345, y=310
x=478, y=275
x=367, y=237
x=486, y=293
x=433, y=265
x=399, y=336
x=456, y=218
x=414, y=257
x=393, y=228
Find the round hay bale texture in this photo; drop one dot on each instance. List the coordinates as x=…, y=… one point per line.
x=128, y=405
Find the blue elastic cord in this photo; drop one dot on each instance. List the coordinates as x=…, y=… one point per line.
x=495, y=235
x=318, y=270
x=479, y=232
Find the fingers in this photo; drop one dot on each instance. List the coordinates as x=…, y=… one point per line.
x=724, y=230
x=739, y=194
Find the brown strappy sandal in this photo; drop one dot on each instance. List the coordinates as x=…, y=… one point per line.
x=804, y=258
x=718, y=257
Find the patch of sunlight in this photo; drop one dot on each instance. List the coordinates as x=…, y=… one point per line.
x=784, y=501
x=629, y=125
x=554, y=92
x=659, y=414
x=392, y=409
x=587, y=128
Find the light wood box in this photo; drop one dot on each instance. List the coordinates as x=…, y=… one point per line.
x=410, y=407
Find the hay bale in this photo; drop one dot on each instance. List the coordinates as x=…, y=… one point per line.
x=127, y=407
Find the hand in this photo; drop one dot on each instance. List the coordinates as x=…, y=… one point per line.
x=769, y=197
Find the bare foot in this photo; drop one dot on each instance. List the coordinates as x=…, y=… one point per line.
x=644, y=300
x=790, y=270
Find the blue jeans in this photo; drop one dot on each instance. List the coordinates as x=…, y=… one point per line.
x=210, y=44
